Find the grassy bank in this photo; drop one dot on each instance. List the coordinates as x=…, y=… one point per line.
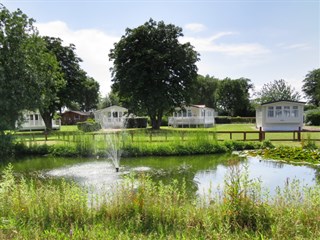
x=149, y=210
x=142, y=143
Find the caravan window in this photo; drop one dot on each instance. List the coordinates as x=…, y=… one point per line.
x=278, y=111
x=286, y=111
x=270, y=112
x=295, y=111
x=189, y=113
x=184, y=113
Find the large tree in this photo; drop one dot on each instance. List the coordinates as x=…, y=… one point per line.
x=153, y=72
x=46, y=70
x=205, y=91
x=311, y=86
x=89, y=98
x=233, y=96
x=78, y=91
x=69, y=63
x=18, y=88
x=276, y=91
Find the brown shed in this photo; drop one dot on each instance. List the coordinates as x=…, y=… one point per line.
x=73, y=117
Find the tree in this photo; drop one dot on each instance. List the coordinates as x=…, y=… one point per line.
x=46, y=70
x=311, y=86
x=153, y=72
x=78, y=90
x=18, y=88
x=111, y=99
x=205, y=91
x=276, y=91
x=233, y=96
x=90, y=95
x=78, y=84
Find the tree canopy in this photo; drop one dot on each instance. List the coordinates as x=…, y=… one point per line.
x=153, y=72
x=233, y=96
x=276, y=91
x=311, y=86
x=38, y=73
x=205, y=91
x=18, y=87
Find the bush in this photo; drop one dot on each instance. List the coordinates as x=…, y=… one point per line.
x=88, y=126
x=313, y=117
x=6, y=145
x=228, y=119
x=137, y=123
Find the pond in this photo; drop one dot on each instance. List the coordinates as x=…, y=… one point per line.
x=200, y=173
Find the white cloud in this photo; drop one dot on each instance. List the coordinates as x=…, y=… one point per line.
x=235, y=49
x=300, y=46
x=195, y=27
x=92, y=46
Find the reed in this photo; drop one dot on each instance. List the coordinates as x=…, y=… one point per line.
x=139, y=208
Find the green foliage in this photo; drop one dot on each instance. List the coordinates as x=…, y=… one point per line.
x=140, y=208
x=233, y=96
x=18, y=87
x=64, y=150
x=292, y=154
x=6, y=145
x=21, y=149
x=153, y=72
x=228, y=119
x=309, y=144
x=267, y=144
x=88, y=126
x=276, y=91
x=244, y=202
x=136, y=122
x=311, y=86
x=313, y=117
x=205, y=91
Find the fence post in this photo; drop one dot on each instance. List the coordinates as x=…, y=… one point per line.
x=244, y=136
x=260, y=134
x=299, y=134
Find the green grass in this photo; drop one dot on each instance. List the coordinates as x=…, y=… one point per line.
x=143, y=209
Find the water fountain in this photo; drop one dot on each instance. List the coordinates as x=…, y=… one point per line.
x=114, y=121
x=114, y=142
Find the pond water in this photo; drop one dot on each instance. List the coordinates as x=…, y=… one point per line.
x=200, y=173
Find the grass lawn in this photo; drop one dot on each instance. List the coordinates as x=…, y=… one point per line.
x=67, y=133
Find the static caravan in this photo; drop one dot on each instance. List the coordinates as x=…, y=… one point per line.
x=192, y=116
x=33, y=121
x=72, y=117
x=280, y=116
x=111, y=117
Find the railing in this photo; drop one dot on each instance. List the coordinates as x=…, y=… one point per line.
x=163, y=136
x=174, y=121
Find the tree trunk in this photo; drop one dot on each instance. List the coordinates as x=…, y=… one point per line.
x=47, y=118
x=156, y=121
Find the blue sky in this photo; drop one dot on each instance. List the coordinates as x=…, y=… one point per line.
x=259, y=40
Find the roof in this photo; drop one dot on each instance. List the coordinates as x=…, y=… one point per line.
x=111, y=107
x=290, y=101
x=77, y=112
x=197, y=106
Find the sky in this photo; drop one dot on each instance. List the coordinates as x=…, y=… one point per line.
x=262, y=40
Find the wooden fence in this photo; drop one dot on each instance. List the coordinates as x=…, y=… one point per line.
x=162, y=136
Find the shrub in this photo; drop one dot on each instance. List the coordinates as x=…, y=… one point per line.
x=88, y=126
x=136, y=122
x=228, y=119
x=6, y=145
x=313, y=117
